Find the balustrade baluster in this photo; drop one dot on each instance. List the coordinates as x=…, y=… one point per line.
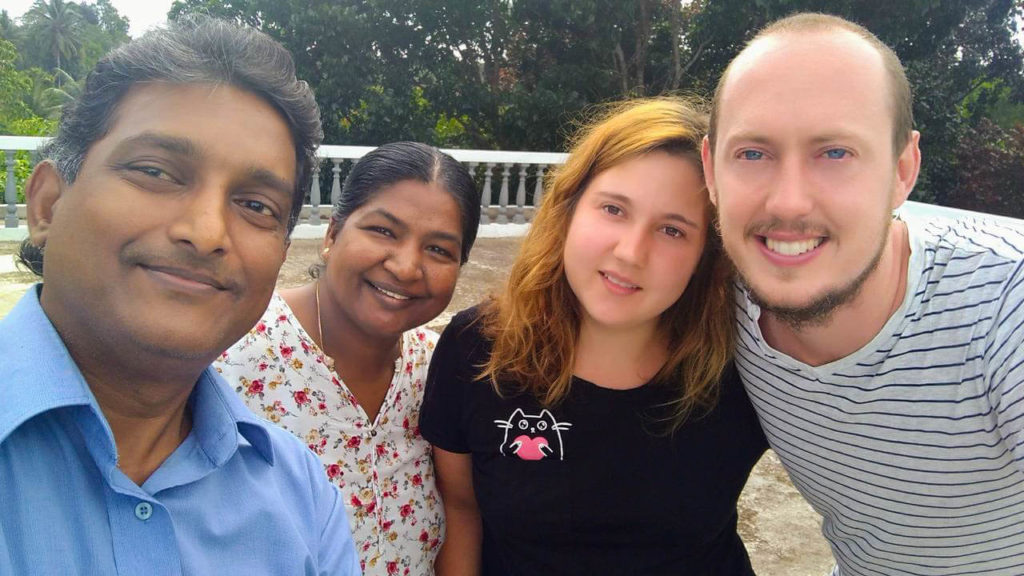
x=520, y=210
x=11, y=193
x=485, y=197
x=336, y=182
x=314, y=196
x=503, y=194
x=538, y=187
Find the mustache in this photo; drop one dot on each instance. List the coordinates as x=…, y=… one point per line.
x=775, y=224
x=183, y=263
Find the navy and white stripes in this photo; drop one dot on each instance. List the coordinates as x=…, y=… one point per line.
x=912, y=448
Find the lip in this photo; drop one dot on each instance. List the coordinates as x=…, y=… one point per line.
x=618, y=284
x=185, y=278
x=382, y=288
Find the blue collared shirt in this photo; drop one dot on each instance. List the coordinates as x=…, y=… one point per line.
x=238, y=496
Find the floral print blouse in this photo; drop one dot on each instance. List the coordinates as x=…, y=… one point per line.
x=383, y=468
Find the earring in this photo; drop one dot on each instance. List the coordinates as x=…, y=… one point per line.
x=324, y=253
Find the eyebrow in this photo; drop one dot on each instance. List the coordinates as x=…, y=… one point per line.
x=184, y=147
x=674, y=216
x=173, y=144
x=399, y=223
x=271, y=180
x=757, y=138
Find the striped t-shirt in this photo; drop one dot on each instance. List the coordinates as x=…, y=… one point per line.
x=911, y=448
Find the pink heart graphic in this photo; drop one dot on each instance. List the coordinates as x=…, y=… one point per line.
x=530, y=448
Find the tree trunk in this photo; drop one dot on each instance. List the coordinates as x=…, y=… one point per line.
x=643, y=39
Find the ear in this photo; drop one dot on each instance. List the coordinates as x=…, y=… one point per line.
x=709, y=169
x=42, y=194
x=332, y=234
x=908, y=166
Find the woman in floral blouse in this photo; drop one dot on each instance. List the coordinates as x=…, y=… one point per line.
x=341, y=361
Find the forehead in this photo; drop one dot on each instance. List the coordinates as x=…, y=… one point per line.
x=812, y=82
x=216, y=120
x=658, y=181
x=418, y=204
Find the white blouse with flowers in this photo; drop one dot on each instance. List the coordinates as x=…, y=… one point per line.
x=383, y=468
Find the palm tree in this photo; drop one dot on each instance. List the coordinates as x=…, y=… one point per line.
x=59, y=24
x=65, y=90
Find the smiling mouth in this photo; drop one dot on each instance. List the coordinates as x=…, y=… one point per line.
x=619, y=282
x=389, y=293
x=792, y=248
x=186, y=276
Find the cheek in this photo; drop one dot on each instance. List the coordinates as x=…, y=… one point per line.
x=583, y=239
x=677, y=275
x=442, y=282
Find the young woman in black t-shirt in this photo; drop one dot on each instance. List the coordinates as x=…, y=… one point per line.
x=587, y=420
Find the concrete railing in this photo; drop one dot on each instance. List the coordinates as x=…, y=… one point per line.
x=512, y=184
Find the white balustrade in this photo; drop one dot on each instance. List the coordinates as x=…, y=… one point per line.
x=522, y=210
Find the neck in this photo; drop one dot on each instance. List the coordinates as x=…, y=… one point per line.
x=356, y=355
x=142, y=392
x=146, y=405
x=854, y=324
x=619, y=358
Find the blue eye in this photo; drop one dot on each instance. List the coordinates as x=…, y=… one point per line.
x=612, y=209
x=752, y=155
x=836, y=154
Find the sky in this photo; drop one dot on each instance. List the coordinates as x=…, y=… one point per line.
x=142, y=14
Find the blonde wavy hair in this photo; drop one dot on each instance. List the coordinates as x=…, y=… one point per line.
x=534, y=321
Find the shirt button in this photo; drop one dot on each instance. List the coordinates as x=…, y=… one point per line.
x=373, y=433
x=143, y=510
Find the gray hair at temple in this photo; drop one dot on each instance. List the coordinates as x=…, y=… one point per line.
x=192, y=50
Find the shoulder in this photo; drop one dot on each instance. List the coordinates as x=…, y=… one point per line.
x=976, y=260
x=419, y=340
x=944, y=241
x=466, y=326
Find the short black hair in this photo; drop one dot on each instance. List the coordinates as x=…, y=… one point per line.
x=191, y=50
x=399, y=161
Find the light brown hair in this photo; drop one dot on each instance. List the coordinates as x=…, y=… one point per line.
x=809, y=22
x=535, y=321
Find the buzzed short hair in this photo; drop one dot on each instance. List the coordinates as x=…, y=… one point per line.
x=901, y=100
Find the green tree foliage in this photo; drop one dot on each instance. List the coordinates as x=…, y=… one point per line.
x=990, y=170
x=516, y=74
x=16, y=117
x=58, y=25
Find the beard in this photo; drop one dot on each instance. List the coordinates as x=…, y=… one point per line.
x=819, y=310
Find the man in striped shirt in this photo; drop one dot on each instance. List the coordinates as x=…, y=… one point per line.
x=883, y=357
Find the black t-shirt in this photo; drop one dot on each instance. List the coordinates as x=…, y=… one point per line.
x=594, y=485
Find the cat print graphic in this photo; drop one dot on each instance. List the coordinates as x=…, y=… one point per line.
x=532, y=436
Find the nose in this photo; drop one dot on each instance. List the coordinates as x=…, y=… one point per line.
x=202, y=221
x=632, y=245
x=790, y=196
x=405, y=262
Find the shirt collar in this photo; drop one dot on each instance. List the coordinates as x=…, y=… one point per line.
x=40, y=375
x=218, y=418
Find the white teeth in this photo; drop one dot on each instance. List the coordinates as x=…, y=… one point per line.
x=390, y=294
x=792, y=248
x=620, y=282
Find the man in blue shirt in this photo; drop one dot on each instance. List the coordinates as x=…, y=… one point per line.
x=164, y=207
